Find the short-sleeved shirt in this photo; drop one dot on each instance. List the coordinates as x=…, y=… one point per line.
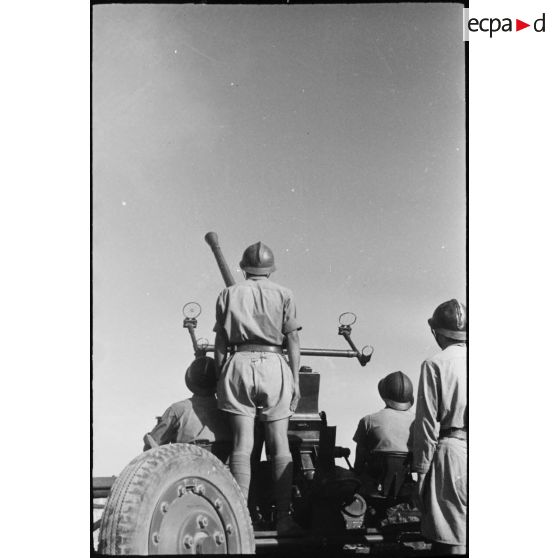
x=386, y=430
x=441, y=401
x=256, y=310
x=197, y=418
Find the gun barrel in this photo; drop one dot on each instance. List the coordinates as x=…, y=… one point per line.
x=329, y=352
x=212, y=239
x=311, y=352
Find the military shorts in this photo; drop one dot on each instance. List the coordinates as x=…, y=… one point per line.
x=252, y=381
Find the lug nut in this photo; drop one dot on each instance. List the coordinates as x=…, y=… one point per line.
x=202, y=521
x=155, y=538
x=219, y=538
x=218, y=504
x=164, y=507
x=188, y=541
x=181, y=491
x=199, y=489
x=229, y=529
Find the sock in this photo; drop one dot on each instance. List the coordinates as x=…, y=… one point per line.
x=282, y=477
x=239, y=464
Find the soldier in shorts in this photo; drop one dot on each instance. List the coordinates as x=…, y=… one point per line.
x=253, y=319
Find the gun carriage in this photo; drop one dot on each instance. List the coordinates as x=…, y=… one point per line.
x=181, y=499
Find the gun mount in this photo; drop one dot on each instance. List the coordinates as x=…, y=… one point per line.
x=180, y=499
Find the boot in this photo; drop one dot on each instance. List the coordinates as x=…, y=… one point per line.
x=282, y=476
x=286, y=526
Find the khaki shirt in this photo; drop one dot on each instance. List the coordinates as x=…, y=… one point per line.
x=256, y=310
x=441, y=402
x=386, y=430
x=197, y=418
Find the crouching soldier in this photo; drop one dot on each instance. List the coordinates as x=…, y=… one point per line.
x=195, y=419
x=440, y=456
x=388, y=430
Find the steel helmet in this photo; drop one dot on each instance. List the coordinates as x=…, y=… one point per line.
x=258, y=259
x=450, y=320
x=396, y=389
x=201, y=378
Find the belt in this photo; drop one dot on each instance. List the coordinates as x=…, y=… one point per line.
x=255, y=347
x=459, y=433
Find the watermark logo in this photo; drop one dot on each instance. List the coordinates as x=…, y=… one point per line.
x=494, y=25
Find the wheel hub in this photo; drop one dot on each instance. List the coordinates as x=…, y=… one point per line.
x=193, y=516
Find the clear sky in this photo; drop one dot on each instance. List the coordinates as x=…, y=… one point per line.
x=335, y=134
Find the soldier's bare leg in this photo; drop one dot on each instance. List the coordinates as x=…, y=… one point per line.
x=276, y=437
x=281, y=471
x=243, y=441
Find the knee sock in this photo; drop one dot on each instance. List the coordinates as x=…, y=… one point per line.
x=282, y=476
x=239, y=464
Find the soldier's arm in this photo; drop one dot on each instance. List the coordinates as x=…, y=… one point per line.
x=220, y=350
x=165, y=431
x=360, y=453
x=293, y=350
x=425, y=428
x=221, y=339
x=360, y=459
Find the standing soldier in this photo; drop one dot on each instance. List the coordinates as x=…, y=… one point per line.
x=440, y=459
x=253, y=318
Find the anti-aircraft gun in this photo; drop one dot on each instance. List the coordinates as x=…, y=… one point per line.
x=181, y=499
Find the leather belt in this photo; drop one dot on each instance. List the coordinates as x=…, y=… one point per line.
x=459, y=433
x=255, y=347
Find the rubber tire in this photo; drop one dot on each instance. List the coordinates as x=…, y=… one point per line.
x=127, y=516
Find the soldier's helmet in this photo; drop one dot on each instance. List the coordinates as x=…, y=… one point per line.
x=201, y=378
x=450, y=320
x=258, y=259
x=396, y=389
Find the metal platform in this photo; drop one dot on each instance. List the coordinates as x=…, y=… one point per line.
x=267, y=540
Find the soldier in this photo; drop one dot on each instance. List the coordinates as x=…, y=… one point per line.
x=389, y=429
x=440, y=459
x=194, y=419
x=253, y=319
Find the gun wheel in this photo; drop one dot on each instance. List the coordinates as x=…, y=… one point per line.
x=176, y=499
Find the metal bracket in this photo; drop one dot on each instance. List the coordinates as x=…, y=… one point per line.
x=345, y=321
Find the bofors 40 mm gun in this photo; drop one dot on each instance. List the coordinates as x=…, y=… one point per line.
x=181, y=498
